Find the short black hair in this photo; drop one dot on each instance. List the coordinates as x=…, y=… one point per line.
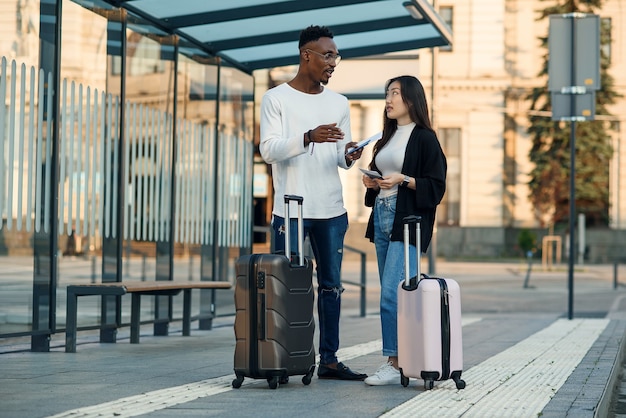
x=313, y=33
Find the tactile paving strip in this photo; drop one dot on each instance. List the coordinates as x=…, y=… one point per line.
x=517, y=382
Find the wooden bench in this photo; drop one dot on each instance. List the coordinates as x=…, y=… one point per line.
x=137, y=289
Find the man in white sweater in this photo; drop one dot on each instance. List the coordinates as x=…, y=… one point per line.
x=305, y=136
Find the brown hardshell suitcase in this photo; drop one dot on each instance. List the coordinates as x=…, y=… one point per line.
x=274, y=322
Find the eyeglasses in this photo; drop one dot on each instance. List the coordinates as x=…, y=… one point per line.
x=328, y=57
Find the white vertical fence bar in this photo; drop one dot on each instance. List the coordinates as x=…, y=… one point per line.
x=211, y=183
x=219, y=190
x=62, y=157
x=204, y=201
x=188, y=180
x=11, y=138
x=151, y=173
x=163, y=139
x=39, y=150
x=20, y=138
x=183, y=159
x=79, y=166
x=88, y=131
x=197, y=181
x=99, y=193
x=127, y=186
x=106, y=166
x=249, y=193
x=178, y=174
x=30, y=192
x=93, y=192
x=130, y=199
x=213, y=186
x=108, y=207
x=230, y=208
x=156, y=205
x=48, y=184
x=115, y=139
x=166, y=179
x=3, y=92
x=70, y=160
x=141, y=221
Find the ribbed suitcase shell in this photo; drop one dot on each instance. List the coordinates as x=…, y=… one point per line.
x=430, y=341
x=274, y=322
x=430, y=344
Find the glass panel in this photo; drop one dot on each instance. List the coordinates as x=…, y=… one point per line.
x=88, y=151
x=196, y=165
x=22, y=129
x=236, y=147
x=148, y=152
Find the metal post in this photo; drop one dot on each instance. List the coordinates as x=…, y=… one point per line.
x=572, y=182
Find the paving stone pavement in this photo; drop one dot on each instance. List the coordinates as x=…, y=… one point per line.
x=523, y=357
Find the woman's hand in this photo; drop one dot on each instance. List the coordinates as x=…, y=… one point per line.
x=391, y=180
x=370, y=183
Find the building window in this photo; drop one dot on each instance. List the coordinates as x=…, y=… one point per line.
x=446, y=14
x=449, y=211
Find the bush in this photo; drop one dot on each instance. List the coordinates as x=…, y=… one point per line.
x=527, y=242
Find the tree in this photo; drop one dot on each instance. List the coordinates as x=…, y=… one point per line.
x=550, y=154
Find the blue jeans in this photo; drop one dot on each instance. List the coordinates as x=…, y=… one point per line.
x=390, y=255
x=326, y=236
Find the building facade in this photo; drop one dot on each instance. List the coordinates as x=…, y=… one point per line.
x=477, y=91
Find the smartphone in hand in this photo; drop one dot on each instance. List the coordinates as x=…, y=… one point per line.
x=371, y=174
x=365, y=142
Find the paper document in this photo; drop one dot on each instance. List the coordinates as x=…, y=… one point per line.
x=365, y=142
x=371, y=174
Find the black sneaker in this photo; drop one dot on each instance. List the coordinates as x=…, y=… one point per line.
x=342, y=372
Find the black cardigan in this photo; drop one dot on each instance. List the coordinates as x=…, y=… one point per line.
x=425, y=161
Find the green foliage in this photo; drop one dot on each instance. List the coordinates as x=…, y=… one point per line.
x=527, y=241
x=550, y=151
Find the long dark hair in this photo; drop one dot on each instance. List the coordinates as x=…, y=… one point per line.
x=414, y=98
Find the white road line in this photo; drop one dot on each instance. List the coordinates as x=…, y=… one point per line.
x=164, y=398
x=517, y=382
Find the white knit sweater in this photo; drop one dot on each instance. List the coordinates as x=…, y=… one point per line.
x=312, y=171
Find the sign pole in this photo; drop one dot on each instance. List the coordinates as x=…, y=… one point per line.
x=574, y=44
x=572, y=181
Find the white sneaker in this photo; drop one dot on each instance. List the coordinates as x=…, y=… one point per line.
x=385, y=375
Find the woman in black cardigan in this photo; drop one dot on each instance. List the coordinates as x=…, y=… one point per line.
x=413, y=167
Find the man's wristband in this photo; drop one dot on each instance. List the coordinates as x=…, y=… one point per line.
x=308, y=136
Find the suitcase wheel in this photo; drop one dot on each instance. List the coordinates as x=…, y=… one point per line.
x=306, y=379
x=460, y=384
x=429, y=384
x=403, y=379
x=272, y=382
x=283, y=380
x=237, y=382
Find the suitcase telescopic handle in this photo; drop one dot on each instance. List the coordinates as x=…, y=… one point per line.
x=410, y=220
x=300, y=200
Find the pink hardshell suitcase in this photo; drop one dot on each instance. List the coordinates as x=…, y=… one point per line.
x=430, y=345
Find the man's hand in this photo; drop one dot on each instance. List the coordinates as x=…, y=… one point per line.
x=326, y=133
x=353, y=156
